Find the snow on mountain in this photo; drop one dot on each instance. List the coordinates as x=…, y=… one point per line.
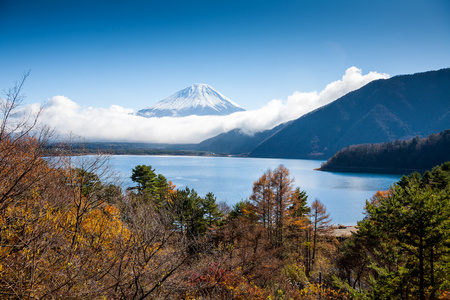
x=198, y=99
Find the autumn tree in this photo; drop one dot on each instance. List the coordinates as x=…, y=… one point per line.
x=24, y=174
x=297, y=216
x=244, y=248
x=315, y=234
x=151, y=257
x=62, y=234
x=281, y=185
x=263, y=202
x=297, y=230
x=22, y=147
x=271, y=198
x=320, y=225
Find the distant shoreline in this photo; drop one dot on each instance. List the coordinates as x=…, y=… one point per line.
x=160, y=152
x=369, y=170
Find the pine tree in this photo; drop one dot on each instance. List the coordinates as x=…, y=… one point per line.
x=412, y=232
x=145, y=177
x=211, y=211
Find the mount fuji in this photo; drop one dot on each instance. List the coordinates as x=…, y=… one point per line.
x=198, y=99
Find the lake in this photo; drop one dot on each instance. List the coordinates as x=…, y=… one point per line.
x=231, y=180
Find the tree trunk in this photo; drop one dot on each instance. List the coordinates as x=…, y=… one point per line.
x=314, y=239
x=421, y=273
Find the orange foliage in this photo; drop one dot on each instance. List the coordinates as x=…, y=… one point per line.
x=217, y=282
x=445, y=295
x=379, y=195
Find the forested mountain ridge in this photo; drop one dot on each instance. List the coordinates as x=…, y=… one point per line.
x=394, y=157
x=384, y=110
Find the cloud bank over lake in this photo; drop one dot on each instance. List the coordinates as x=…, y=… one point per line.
x=120, y=124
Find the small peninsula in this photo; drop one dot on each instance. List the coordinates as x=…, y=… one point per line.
x=398, y=157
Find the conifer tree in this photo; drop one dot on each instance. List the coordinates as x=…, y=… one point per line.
x=319, y=228
x=151, y=186
x=412, y=232
x=271, y=198
x=211, y=210
x=145, y=177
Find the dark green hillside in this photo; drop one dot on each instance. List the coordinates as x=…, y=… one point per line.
x=393, y=157
x=401, y=107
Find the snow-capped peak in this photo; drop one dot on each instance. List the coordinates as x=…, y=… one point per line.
x=198, y=99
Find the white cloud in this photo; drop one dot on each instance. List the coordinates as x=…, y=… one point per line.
x=117, y=123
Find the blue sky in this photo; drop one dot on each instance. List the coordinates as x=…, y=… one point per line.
x=135, y=53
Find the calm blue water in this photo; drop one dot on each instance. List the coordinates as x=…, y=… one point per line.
x=231, y=180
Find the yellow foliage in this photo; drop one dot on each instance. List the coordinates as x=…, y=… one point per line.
x=318, y=291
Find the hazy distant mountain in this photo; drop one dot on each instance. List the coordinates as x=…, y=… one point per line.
x=198, y=99
x=384, y=110
x=233, y=142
